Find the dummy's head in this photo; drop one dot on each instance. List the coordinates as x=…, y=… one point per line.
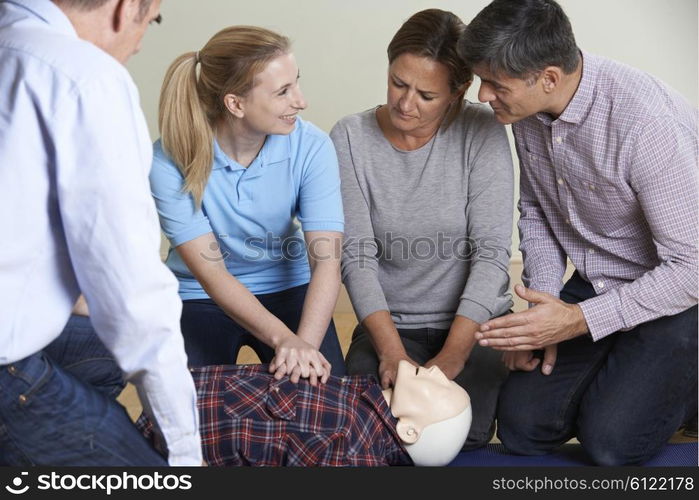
x=433, y=412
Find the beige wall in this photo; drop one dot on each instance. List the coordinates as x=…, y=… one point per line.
x=340, y=44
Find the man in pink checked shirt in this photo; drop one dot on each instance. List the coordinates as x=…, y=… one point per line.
x=608, y=159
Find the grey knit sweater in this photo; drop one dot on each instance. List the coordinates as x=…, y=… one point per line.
x=427, y=232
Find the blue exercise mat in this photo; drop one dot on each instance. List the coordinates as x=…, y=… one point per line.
x=494, y=455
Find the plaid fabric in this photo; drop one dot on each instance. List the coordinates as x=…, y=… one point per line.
x=612, y=185
x=248, y=418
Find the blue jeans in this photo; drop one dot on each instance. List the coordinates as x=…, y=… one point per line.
x=482, y=375
x=622, y=396
x=57, y=407
x=211, y=337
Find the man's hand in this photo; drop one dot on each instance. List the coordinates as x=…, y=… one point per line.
x=299, y=359
x=525, y=360
x=549, y=321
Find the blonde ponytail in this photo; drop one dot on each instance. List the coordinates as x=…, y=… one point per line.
x=187, y=135
x=191, y=104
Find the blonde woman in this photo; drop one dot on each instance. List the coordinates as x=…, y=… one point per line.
x=235, y=168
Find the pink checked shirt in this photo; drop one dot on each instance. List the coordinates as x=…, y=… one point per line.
x=612, y=185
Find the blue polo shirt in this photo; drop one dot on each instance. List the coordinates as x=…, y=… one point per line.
x=253, y=211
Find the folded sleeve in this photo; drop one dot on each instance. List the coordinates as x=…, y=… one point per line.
x=320, y=201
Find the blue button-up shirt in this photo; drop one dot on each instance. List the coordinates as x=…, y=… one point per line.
x=251, y=211
x=76, y=214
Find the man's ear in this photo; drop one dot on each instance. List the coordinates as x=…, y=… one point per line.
x=551, y=78
x=407, y=431
x=124, y=11
x=234, y=105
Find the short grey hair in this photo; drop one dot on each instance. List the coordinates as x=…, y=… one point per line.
x=88, y=5
x=519, y=38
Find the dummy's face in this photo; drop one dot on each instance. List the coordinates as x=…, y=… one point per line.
x=418, y=93
x=273, y=103
x=512, y=99
x=424, y=396
x=134, y=28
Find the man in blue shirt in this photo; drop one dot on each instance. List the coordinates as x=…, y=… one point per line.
x=75, y=205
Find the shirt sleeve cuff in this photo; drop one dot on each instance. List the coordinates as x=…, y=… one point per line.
x=366, y=299
x=602, y=315
x=323, y=226
x=473, y=311
x=186, y=451
x=189, y=234
x=546, y=287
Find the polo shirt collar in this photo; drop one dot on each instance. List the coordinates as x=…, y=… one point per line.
x=221, y=159
x=277, y=148
x=48, y=12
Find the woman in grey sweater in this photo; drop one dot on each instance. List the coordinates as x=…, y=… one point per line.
x=427, y=189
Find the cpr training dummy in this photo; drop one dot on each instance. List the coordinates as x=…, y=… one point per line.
x=249, y=418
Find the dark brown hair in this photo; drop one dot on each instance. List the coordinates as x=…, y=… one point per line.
x=435, y=33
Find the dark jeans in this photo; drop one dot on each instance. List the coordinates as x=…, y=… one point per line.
x=482, y=375
x=622, y=396
x=211, y=337
x=57, y=407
